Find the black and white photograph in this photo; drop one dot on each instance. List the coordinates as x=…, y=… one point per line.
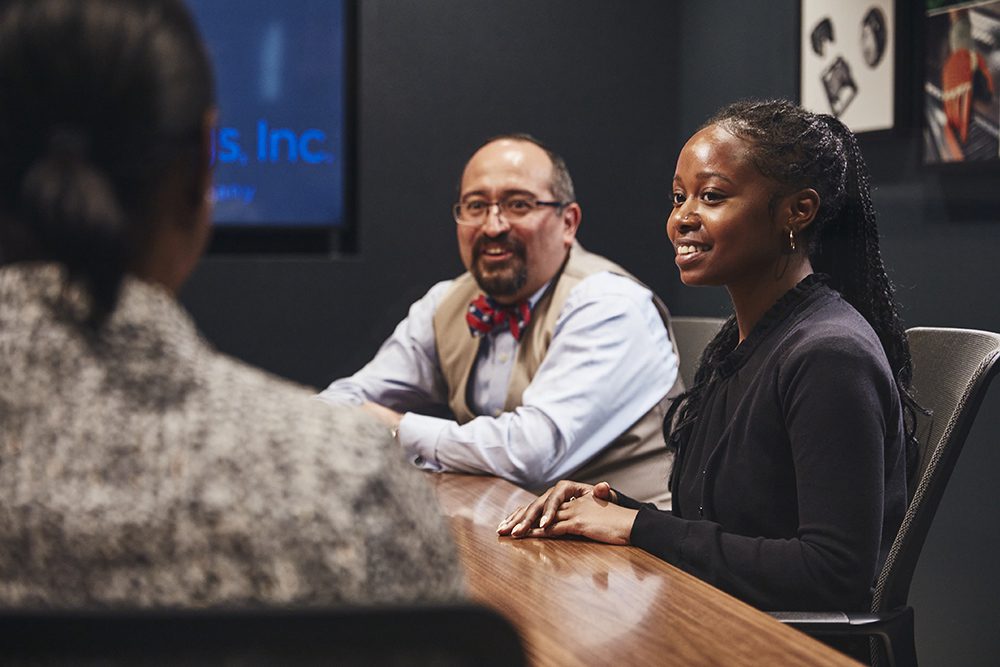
x=846, y=61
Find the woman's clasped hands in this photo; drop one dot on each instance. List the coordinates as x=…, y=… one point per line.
x=573, y=508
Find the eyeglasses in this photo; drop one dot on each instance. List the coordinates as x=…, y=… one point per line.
x=476, y=212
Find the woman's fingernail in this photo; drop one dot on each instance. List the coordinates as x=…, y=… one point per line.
x=544, y=522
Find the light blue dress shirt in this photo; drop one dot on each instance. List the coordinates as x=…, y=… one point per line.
x=609, y=363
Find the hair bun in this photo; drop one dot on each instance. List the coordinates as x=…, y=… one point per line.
x=70, y=206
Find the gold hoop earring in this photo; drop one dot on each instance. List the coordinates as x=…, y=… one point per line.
x=791, y=239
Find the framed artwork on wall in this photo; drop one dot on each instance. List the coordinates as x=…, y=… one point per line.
x=847, y=61
x=962, y=72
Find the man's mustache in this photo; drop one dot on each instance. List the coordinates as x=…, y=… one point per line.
x=513, y=245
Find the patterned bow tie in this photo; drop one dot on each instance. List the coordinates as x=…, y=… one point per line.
x=485, y=315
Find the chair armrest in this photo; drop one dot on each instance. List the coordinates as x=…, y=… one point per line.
x=893, y=629
x=841, y=623
x=835, y=622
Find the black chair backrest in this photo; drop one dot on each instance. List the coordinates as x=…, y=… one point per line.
x=691, y=336
x=952, y=369
x=461, y=634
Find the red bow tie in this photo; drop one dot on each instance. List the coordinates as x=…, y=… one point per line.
x=485, y=315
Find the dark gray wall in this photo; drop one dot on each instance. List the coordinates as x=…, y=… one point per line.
x=616, y=87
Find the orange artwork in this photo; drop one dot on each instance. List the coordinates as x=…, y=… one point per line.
x=961, y=104
x=957, y=79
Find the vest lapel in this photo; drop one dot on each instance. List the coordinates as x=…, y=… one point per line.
x=456, y=347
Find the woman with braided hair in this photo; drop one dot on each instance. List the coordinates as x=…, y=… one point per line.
x=790, y=477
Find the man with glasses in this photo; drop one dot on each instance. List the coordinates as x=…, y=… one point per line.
x=549, y=361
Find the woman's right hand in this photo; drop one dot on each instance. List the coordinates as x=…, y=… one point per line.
x=542, y=510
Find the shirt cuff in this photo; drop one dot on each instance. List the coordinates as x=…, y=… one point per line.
x=419, y=435
x=660, y=533
x=630, y=503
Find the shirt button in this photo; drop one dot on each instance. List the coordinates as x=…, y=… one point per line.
x=504, y=358
x=497, y=412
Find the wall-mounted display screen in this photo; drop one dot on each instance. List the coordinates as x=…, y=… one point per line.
x=281, y=147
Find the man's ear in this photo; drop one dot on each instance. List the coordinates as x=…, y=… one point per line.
x=802, y=209
x=571, y=216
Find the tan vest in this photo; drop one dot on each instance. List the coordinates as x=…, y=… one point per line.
x=637, y=461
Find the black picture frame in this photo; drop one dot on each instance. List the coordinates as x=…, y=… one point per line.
x=962, y=139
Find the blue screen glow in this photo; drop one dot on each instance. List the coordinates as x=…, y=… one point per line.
x=278, y=150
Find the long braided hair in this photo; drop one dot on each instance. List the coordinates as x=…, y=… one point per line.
x=800, y=149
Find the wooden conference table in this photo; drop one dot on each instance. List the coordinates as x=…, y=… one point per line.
x=576, y=602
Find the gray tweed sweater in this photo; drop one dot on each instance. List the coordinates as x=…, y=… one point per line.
x=143, y=468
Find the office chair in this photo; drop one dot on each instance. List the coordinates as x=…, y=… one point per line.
x=952, y=369
x=440, y=635
x=691, y=336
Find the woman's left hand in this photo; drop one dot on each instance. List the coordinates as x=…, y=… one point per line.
x=591, y=517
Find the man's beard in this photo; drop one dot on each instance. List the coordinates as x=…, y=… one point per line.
x=506, y=280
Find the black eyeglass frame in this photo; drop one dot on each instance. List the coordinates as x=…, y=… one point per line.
x=457, y=208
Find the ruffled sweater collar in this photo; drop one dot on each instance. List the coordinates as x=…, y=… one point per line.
x=784, y=307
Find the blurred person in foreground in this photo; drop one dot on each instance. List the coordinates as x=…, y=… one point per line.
x=138, y=466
